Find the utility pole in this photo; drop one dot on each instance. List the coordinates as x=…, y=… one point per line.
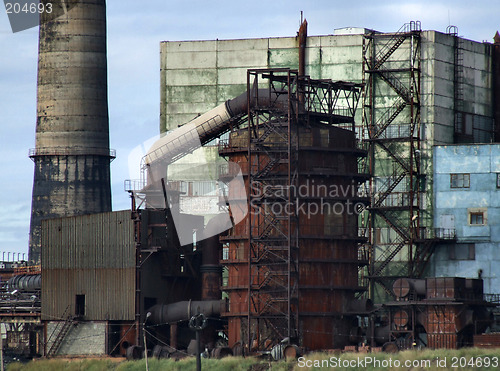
x=145, y=345
x=1, y=348
x=197, y=323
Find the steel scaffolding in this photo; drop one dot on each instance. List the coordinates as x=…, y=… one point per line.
x=400, y=238
x=266, y=301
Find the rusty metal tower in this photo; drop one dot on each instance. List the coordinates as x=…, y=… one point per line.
x=281, y=258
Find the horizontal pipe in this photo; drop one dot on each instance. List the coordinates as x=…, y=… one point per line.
x=25, y=282
x=184, y=310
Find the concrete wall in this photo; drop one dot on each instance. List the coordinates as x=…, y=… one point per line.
x=438, y=87
x=84, y=338
x=198, y=75
x=482, y=162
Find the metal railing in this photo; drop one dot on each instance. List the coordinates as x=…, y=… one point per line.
x=72, y=151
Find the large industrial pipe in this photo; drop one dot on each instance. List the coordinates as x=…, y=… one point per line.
x=25, y=282
x=302, y=48
x=72, y=155
x=496, y=85
x=206, y=127
x=184, y=310
x=210, y=266
x=403, y=287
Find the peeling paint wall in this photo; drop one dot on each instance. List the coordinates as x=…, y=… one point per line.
x=198, y=75
x=455, y=205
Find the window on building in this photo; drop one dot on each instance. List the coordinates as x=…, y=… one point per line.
x=476, y=218
x=472, y=128
x=498, y=180
x=460, y=180
x=462, y=251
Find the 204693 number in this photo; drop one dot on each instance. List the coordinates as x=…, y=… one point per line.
x=17, y=8
x=462, y=362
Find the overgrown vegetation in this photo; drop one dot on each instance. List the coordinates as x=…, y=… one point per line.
x=433, y=360
x=225, y=364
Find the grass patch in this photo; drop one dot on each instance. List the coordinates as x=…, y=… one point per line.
x=187, y=364
x=55, y=364
x=432, y=360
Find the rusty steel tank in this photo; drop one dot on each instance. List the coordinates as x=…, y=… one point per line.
x=309, y=278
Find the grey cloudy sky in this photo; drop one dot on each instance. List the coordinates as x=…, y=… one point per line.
x=135, y=29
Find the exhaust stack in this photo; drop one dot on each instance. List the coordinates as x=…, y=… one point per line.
x=72, y=155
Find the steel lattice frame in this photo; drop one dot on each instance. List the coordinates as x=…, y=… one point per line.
x=273, y=238
x=394, y=159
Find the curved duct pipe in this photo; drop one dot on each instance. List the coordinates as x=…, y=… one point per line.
x=191, y=136
x=184, y=310
x=206, y=127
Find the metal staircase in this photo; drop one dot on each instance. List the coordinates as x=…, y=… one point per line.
x=394, y=138
x=62, y=329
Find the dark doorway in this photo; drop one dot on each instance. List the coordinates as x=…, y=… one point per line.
x=80, y=305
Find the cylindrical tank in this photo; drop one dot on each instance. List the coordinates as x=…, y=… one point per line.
x=409, y=288
x=327, y=253
x=72, y=155
x=401, y=318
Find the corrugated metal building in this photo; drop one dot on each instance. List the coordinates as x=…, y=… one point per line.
x=88, y=275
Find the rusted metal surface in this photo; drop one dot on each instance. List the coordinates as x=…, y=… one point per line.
x=127, y=337
x=91, y=255
x=450, y=312
x=442, y=341
x=496, y=85
x=445, y=287
x=491, y=340
x=302, y=48
x=280, y=262
x=32, y=269
x=401, y=318
x=407, y=288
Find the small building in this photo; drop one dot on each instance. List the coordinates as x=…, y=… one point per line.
x=88, y=282
x=467, y=203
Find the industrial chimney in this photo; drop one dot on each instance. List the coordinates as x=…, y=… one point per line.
x=72, y=155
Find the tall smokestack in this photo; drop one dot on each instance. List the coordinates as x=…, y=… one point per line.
x=302, y=47
x=72, y=155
